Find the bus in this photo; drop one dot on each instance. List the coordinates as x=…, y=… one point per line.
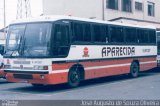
x=158, y=45
x=65, y=49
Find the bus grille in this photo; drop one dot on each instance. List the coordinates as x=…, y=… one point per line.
x=22, y=76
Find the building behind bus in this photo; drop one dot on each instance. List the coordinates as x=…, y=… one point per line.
x=141, y=12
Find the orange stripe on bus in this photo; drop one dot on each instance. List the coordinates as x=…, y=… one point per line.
x=63, y=66
x=145, y=67
x=106, y=72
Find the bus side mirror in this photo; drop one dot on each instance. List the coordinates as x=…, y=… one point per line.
x=1, y=49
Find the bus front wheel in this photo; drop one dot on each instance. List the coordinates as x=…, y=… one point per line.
x=74, y=77
x=134, y=70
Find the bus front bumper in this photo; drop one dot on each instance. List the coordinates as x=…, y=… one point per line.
x=37, y=78
x=2, y=73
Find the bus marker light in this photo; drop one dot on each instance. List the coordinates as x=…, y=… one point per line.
x=42, y=77
x=40, y=67
x=45, y=67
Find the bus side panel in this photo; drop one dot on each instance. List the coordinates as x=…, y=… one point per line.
x=145, y=67
x=104, y=68
x=117, y=67
x=147, y=63
x=107, y=72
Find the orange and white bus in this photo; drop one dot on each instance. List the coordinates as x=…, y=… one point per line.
x=64, y=49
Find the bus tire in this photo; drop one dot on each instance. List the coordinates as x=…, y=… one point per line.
x=134, y=70
x=74, y=77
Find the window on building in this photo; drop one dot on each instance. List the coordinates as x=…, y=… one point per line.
x=112, y=4
x=151, y=9
x=138, y=6
x=127, y=5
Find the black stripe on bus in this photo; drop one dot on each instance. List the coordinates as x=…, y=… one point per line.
x=27, y=72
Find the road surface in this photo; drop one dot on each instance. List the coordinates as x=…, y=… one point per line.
x=146, y=86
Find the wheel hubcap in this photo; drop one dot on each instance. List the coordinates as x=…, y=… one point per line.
x=134, y=69
x=74, y=77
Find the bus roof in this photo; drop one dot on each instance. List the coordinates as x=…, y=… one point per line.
x=52, y=18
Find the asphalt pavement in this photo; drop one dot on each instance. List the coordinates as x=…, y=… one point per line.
x=146, y=87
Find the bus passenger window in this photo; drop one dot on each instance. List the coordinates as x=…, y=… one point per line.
x=131, y=36
x=152, y=36
x=117, y=35
x=61, y=40
x=107, y=40
x=87, y=32
x=99, y=33
x=142, y=36
x=77, y=32
x=81, y=32
x=107, y=34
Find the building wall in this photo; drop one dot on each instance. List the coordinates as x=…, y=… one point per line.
x=79, y=8
x=142, y=15
x=111, y=13
x=157, y=11
x=94, y=9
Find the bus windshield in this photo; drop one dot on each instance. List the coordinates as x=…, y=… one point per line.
x=28, y=40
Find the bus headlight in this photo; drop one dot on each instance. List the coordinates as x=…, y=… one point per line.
x=40, y=67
